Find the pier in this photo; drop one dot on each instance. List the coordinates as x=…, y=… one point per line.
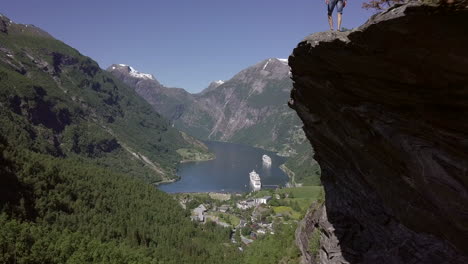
x=270, y=186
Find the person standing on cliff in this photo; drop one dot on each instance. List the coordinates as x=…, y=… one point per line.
x=340, y=4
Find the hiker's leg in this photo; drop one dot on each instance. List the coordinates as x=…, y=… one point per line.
x=339, y=22
x=339, y=10
x=330, y=7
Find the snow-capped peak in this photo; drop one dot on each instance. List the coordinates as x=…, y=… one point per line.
x=219, y=82
x=135, y=73
x=140, y=75
x=285, y=61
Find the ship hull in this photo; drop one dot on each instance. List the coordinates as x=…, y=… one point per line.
x=255, y=181
x=255, y=187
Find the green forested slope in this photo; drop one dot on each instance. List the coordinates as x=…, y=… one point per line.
x=68, y=106
x=56, y=210
x=71, y=191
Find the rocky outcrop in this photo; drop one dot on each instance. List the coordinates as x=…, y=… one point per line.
x=385, y=107
x=328, y=249
x=4, y=24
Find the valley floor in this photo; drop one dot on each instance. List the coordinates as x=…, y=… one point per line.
x=262, y=223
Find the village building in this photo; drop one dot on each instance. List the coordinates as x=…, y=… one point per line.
x=242, y=223
x=198, y=214
x=223, y=208
x=263, y=200
x=246, y=204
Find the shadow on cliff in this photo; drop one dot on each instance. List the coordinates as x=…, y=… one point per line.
x=386, y=108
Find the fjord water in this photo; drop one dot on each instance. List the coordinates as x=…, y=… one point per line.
x=229, y=172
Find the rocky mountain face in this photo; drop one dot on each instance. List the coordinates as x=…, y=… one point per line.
x=386, y=108
x=250, y=108
x=213, y=85
x=245, y=102
x=224, y=109
x=169, y=102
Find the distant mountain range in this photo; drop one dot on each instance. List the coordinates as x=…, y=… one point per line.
x=250, y=108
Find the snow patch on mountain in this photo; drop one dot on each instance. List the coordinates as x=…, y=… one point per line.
x=140, y=75
x=285, y=61
x=266, y=64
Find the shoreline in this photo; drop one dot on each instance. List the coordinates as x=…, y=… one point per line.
x=165, y=181
x=197, y=160
x=178, y=177
x=210, y=192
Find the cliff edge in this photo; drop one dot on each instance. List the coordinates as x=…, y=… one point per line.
x=385, y=107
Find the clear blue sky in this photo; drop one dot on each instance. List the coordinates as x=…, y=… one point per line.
x=183, y=43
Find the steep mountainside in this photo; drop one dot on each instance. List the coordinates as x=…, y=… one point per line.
x=253, y=100
x=57, y=101
x=250, y=108
x=386, y=109
x=169, y=102
x=78, y=149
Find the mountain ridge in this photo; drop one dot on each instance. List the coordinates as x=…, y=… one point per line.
x=249, y=108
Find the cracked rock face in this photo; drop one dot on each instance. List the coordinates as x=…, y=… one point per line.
x=385, y=107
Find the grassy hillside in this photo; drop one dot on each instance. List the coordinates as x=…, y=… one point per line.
x=306, y=169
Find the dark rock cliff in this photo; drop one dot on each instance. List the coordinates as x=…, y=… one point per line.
x=385, y=106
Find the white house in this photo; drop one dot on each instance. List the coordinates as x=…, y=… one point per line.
x=253, y=202
x=199, y=213
x=246, y=204
x=263, y=200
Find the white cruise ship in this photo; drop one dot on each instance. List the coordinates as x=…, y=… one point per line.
x=266, y=160
x=255, y=181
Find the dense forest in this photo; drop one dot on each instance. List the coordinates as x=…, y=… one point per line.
x=56, y=210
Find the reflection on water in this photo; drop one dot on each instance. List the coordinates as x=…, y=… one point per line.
x=229, y=172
